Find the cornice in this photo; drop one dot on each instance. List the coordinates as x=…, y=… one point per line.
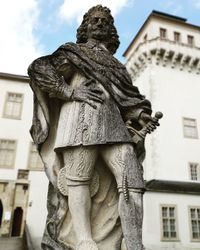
x=166, y=186
x=14, y=77
x=165, y=53
x=17, y=181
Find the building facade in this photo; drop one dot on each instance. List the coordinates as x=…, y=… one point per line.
x=23, y=184
x=164, y=62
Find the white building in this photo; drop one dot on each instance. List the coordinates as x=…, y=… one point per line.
x=164, y=62
x=23, y=184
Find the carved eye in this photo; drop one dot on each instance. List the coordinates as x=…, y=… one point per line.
x=104, y=21
x=94, y=20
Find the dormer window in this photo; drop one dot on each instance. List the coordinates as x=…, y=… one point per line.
x=163, y=33
x=177, y=37
x=190, y=40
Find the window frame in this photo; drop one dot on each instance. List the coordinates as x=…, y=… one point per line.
x=29, y=157
x=198, y=170
x=196, y=128
x=192, y=40
x=18, y=117
x=164, y=32
x=178, y=36
x=162, y=238
x=14, y=153
x=190, y=223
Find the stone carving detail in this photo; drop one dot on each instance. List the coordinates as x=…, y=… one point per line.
x=89, y=125
x=62, y=183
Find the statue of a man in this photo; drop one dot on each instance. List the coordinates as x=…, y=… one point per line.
x=83, y=97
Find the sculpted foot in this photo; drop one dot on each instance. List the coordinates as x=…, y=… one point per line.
x=87, y=245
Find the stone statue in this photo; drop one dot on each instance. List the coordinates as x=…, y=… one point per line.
x=86, y=115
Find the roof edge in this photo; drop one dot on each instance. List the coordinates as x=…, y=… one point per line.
x=14, y=76
x=159, y=14
x=169, y=186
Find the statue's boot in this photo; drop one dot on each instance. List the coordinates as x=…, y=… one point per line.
x=131, y=214
x=87, y=245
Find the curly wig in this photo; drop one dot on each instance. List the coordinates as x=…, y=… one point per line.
x=81, y=36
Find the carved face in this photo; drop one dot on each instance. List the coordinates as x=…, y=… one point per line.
x=98, y=27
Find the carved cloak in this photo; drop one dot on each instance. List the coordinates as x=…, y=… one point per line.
x=108, y=71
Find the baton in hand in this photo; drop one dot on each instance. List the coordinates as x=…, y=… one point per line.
x=139, y=135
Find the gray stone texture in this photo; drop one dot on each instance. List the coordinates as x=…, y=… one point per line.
x=84, y=107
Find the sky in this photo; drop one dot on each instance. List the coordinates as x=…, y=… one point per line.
x=33, y=28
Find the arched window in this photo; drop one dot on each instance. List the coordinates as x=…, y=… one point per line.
x=17, y=221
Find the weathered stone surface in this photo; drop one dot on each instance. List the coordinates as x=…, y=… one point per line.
x=85, y=113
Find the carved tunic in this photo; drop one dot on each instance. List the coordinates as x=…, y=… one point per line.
x=78, y=122
x=81, y=124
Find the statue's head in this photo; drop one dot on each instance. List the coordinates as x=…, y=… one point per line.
x=98, y=24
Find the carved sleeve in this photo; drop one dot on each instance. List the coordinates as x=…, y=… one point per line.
x=49, y=74
x=134, y=113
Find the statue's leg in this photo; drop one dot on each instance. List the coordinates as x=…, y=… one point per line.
x=79, y=163
x=121, y=160
x=131, y=215
x=79, y=206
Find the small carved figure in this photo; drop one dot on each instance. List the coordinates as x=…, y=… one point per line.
x=85, y=110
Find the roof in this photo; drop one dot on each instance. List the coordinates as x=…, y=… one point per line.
x=159, y=14
x=166, y=186
x=14, y=77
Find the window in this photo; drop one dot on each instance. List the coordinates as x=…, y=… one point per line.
x=190, y=128
x=190, y=40
x=145, y=37
x=194, y=171
x=195, y=223
x=35, y=162
x=13, y=106
x=7, y=153
x=177, y=37
x=169, y=227
x=23, y=174
x=163, y=33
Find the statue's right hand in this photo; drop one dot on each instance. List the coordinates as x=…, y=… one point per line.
x=89, y=95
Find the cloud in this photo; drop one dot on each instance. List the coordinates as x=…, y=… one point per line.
x=197, y=4
x=172, y=6
x=74, y=9
x=18, y=46
x=177, y=9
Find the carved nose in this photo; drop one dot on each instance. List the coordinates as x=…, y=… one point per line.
x=99, y=24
